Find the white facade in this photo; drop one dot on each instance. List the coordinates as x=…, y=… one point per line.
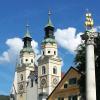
x=32, y=91
x=23, y=72
x=52, y=63
x=50, y=49
x=27, y=58
x=13, y=94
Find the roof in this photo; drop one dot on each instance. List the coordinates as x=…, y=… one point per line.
x=47, y=58
x=62, y=74
x=64, y=77
x=48, y=40
x=27, y=34
x=27, y=49
x=49, y=21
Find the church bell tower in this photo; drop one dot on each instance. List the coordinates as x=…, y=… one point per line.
x=49, y=64
x=25, y=66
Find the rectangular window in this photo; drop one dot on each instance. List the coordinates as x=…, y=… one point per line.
x=72, y=81
x=31, y=60
x=21, y=61
x=72, y=97
x=43, y=52
x=31, y=83
x=54, y=70
x=65, y=85
x=54, y=52
x=75, y=97
x=69, y=98
x=60, y=98
x=43, y=70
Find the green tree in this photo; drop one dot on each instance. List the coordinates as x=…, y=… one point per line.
x=80, y=62
x=97, y=65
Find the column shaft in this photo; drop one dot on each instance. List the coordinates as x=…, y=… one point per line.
x=90, y=73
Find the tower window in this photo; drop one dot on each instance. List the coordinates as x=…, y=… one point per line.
x=26, y=59
x=31, y=60
x=21, y=77
x=48, y=51
x=31, y=82
x=21, y=61
x=43, y=70
x=54, y=52
x=43, y=52
x=54, y=70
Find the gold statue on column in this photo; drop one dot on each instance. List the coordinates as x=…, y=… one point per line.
x=89, y=23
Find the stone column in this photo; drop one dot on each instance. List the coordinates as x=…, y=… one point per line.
x=90, y=67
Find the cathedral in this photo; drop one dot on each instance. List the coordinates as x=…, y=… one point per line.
x=36, y=81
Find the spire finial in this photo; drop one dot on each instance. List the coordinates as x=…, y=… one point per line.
x=27, y=34
x=49, y=13
x=89, y=20
x=49, y=20
x=27, y=28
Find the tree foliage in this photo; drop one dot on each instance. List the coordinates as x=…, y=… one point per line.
x=80, y=64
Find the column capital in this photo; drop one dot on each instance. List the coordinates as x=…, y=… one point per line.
x=90, y=37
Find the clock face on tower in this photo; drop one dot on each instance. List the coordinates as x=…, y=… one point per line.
x=43, y=82
x=21, y=87
x=55, y=81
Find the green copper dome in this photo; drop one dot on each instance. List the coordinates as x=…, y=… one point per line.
x=48, y=40
x=27, y=47
x=26, y=50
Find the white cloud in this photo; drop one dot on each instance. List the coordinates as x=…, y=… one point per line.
x=4, y=57
x=14, y=47
x=35, y=46
x=68, y=39
x=97, y=28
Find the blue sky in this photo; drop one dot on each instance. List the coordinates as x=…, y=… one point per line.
x=67, y=15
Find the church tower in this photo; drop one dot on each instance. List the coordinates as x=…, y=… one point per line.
x=49, y=64
x=25, y=67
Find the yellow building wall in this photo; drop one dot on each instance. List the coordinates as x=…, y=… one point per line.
x=60, y=91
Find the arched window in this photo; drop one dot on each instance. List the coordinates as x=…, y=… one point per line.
x=43, y=70
x=31, y=60
x=21, y=77
x=31, y=82
x=54, y=52
x=21, y=61
x=54, y=70
x=43, y=52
